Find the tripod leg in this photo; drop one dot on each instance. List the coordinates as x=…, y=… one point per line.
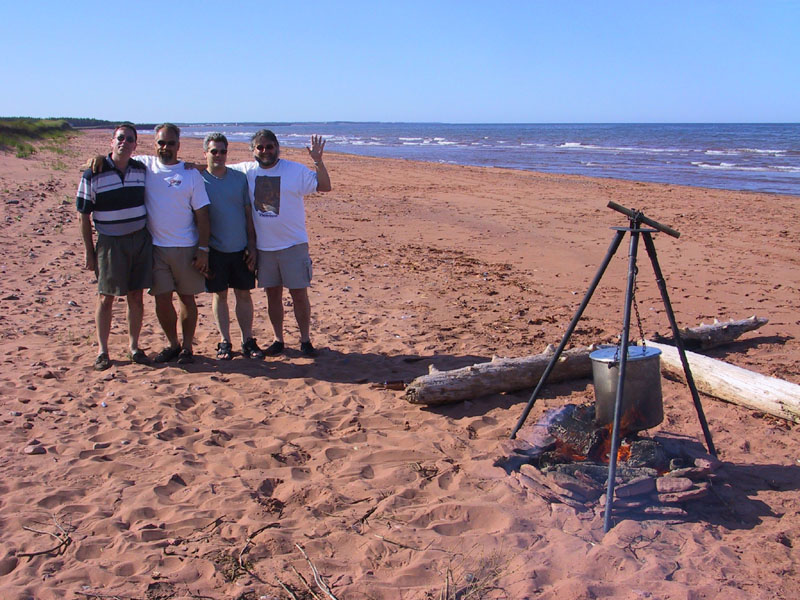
x=623, y=362
x=662, y=286
x=592, y=287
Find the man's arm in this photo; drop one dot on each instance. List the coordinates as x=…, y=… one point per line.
x=88, y=242
x=251, y=255
x=315, y=152
x=203, y=223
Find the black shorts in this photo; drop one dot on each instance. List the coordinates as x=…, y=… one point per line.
x=228, y=270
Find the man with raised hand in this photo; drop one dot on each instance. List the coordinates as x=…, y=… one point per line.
x=177, y=217
x=123, y=256
x=277, y=191
x=232, y=258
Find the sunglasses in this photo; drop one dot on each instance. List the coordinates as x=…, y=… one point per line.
x=216, y=151
x=169, y=143
x=125, y=138
x=267, y=147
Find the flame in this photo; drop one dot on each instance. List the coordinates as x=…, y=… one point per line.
x=623, y=453
x=568, y=452
x=629, y=419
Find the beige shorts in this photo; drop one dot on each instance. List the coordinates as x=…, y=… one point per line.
x=289, y=268
x=173, y=272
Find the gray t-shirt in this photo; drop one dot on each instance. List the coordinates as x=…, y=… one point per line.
x=229, y=196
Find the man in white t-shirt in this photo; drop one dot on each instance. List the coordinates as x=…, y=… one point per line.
x=177, y=217
x=277, y=191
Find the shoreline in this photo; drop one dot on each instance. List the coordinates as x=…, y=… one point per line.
x=162, y=475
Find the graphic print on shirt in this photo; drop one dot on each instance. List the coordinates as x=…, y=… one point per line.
x=267, y=196
x=174, y=180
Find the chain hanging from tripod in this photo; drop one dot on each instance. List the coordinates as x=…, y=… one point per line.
x=636, y=311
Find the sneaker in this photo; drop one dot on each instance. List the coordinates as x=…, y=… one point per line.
x=102, y=362
x=251, y=350
x=307, y=349
x=139, y=357
x=185, y=357
x=168, y=354
x=274, y=349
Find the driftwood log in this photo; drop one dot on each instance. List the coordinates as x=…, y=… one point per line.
x=733, y=384
x=718, y=333
x=499, y=375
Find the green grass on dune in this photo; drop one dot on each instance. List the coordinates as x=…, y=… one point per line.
x=18, y=134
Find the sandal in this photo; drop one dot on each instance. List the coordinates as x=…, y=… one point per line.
x=139, y=357
x=224, y=351
x=168, y=354
x=251, y=350
x=102, y=362
x=185, y=357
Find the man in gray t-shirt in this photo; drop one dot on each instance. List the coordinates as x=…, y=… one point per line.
x=232, y=257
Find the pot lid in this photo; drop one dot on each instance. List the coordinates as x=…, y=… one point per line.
x=610, y=354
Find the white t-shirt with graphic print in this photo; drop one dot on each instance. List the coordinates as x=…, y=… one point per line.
x=276, y=195
x=172, y=194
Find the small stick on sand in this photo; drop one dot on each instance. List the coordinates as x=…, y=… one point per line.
x=388, y=541
x=317, y=577
x=63, y=538
x=292, y=595
x=110, y=596
x=305, y=583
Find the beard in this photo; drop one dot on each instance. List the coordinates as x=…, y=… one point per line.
x=268, y=162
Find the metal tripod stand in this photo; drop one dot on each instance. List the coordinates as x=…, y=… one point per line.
x=636, y=219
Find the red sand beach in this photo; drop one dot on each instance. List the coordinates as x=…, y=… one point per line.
x=205, y=480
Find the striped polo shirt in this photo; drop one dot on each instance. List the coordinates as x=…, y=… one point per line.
x=115, y=200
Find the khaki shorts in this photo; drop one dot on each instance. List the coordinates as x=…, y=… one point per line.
x=290, y=268
x=173, y=272
x=124, y=263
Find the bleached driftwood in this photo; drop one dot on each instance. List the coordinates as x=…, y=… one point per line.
x=719, y=333
x=499, y=375
x=734, y=384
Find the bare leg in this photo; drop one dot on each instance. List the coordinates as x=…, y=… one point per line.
x=188, y=319
x=244, y=313
x=135, y=314
x=167, y=318
x=275, y=310
x=219, y=306
x=102, y=319
x=302, y=312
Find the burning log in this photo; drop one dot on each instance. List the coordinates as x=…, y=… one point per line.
x=719, y=334
x=659, y=476
x=499, y=375
x=733, y=384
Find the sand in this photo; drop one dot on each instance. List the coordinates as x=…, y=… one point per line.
x=205, y=480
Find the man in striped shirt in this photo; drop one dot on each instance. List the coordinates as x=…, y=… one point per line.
x=122, y=259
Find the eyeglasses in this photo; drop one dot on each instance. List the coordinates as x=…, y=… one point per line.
x=267, y=147
x=169, y=143
x=125, y=138
x=216, y=151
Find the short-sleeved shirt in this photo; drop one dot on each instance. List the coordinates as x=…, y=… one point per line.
x=276, y=195
x=172, y=194
x=229, y=199
x=115, y=200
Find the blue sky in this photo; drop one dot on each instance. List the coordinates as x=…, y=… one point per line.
x=446, y=61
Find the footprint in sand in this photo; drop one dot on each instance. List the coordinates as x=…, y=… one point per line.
x=175, y=483
x=456, y=519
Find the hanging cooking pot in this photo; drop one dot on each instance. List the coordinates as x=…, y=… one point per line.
x=642, y=406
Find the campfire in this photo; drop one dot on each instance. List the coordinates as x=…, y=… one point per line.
x=565, y=458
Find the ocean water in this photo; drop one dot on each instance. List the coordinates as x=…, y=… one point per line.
x=755, y=157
